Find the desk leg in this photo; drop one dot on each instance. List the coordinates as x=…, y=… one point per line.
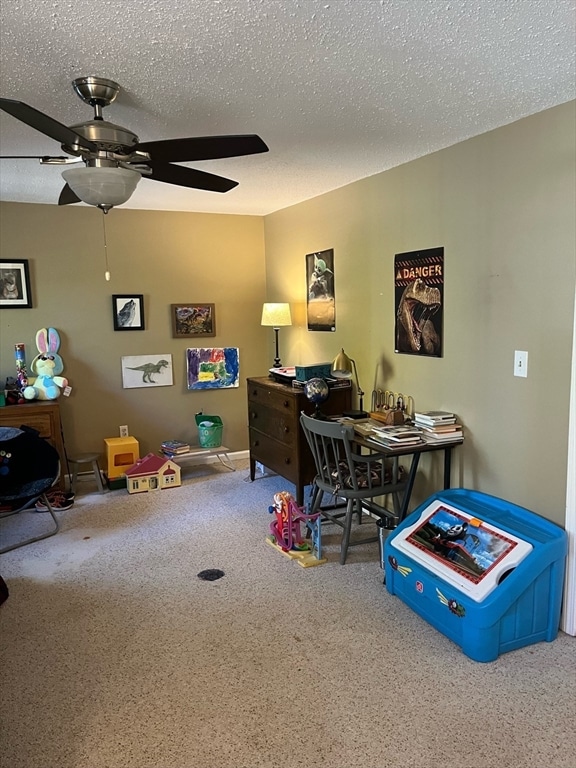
x=252, y=468
x=409, y=486
x=447, y=466
x=300, y=495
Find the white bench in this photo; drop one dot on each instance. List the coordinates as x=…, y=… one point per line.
x=222, y=453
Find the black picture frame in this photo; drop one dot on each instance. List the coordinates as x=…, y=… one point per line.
x=128, y=312
x=15, y=290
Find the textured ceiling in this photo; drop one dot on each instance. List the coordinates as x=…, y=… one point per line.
x=338, y=89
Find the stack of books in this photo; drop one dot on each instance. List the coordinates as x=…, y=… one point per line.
x=439, y=426
x=171, y=448
x=397, y=436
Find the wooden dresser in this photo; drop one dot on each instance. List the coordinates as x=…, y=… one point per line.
x=276, y=438
x=44, y=416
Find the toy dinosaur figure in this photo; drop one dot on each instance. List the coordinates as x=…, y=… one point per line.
x=149, y=368
x=415, y=332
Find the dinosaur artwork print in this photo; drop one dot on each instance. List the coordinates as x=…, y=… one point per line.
x=419, y=284
x=147, y=371
x=150, y=368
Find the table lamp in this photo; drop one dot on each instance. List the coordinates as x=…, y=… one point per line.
x=276, y=315
x=342, y=368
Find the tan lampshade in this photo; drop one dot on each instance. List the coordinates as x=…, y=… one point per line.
x=276, y=315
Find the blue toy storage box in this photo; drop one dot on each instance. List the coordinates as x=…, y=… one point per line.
x=486, y=573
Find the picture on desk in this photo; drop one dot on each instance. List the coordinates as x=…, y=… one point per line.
x=465, y=544
x=419, y=302
x=320, y=301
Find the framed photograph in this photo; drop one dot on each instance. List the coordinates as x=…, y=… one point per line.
x=128, y=312
x=147, y=371
x=320, y=298
x=190, y=320
x=15, y=284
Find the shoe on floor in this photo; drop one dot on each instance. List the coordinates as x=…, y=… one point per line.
x=56, y=493
x=58, y=501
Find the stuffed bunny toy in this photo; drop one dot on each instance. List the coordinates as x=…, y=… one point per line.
x=47, y=364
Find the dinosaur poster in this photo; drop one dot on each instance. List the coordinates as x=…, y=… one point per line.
x=321, y=302
x=147, y=371
x=419, y=302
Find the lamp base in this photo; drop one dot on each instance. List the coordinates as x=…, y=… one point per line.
x=355, y=414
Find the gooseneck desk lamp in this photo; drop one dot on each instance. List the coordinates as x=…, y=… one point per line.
x=277, y=316
x=342, y=368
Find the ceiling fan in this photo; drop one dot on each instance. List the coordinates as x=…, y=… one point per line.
x=114, y=158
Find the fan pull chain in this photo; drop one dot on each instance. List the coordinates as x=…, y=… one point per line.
x=107, y=273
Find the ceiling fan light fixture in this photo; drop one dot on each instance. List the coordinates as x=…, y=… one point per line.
x=102, y=186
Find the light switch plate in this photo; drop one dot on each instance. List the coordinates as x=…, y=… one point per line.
x=521, y=363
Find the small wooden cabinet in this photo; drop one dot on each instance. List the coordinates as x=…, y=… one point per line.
x=276, y=438
x=44, y=416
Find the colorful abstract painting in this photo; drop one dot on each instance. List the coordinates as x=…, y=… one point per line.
x=213, y=367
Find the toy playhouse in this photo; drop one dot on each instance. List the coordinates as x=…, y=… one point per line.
x=152, y=473
x=486, y=573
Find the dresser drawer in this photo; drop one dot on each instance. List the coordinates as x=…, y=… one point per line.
x=276, y=456
x=272, y=398
x=41, y=422
x=277, y=424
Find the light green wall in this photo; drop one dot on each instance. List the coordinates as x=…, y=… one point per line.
x=503, y=207
x=169, y=258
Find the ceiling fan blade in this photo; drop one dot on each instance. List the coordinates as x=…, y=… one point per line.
x=67, y=196
x=202, y=148
x=44, y=159
x=45, y=124
x=189, y=177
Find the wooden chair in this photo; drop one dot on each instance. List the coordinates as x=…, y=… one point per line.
x=342, y=472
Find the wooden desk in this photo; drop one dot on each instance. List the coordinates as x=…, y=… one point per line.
x=276, y=438
x=44, y=416
x=415, y=451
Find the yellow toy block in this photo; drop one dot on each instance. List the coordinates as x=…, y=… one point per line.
x=121, y=454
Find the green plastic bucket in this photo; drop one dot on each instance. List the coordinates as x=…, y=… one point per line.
x=209, y=430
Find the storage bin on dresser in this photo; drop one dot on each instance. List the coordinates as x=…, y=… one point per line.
x=276, y=439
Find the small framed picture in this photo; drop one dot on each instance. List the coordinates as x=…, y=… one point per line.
x=128, y=312
x=193, y=320
x=15, y=284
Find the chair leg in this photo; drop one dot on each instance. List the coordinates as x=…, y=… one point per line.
x=51, y=532
x=98, y=476
x=346, y=533
x=74, y=477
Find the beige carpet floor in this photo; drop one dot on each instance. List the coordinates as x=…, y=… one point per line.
x=114, y=654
